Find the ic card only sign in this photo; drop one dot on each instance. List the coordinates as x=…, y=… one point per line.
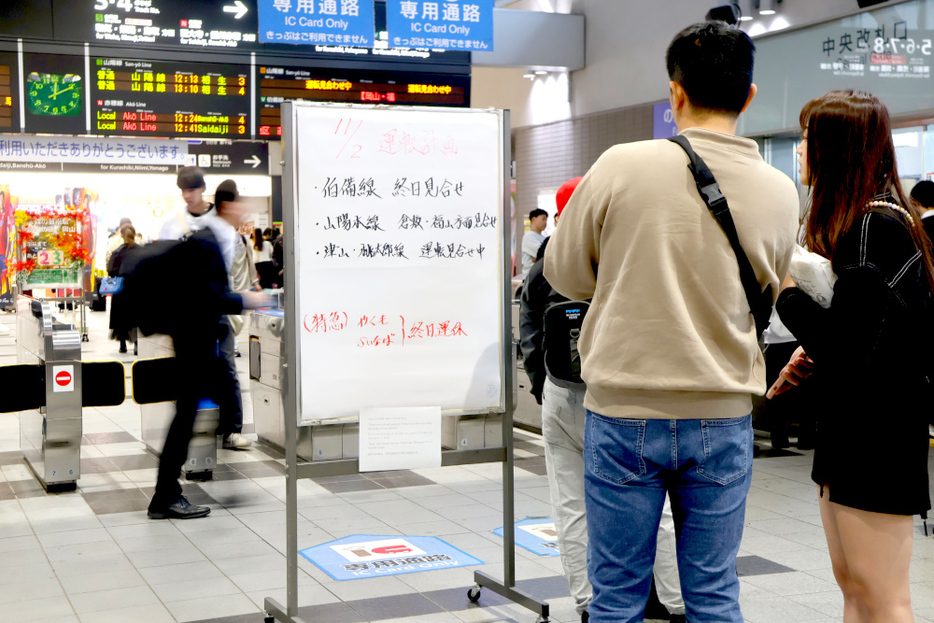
x=146, y=98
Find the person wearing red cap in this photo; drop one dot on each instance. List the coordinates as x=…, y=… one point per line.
x=557, y=386
x=670, y=347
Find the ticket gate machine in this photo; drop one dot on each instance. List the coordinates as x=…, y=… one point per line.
x=50, y=435
x=49, y=386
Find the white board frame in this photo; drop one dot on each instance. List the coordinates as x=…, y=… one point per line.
x=291, y=185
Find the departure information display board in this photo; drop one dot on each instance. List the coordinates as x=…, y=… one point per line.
x=281, y=84
x=9, y=93
x=148, y=98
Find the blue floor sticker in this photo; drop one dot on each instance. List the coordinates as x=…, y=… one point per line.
x=538, y=535
x=370, y=556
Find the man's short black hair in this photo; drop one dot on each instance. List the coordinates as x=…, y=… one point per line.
x=923, y=194
x=536, y=213
x=713, y=62
x=190, y=178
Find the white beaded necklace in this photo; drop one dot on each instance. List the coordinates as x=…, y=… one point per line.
x=897, y=208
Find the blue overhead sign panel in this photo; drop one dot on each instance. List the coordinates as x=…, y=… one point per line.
x=317, y=22
x=440, y=24
x=663, y=121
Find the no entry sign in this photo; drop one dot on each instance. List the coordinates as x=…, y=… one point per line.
x=63, y=379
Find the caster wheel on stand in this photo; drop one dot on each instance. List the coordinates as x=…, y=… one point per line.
x=473, y=594
x=543, y=620
x=269, y=619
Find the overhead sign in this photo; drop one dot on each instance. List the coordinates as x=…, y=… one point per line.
x=538, y=535
x=282, y=84
x=112, y=151
x=440, y=24
x=229, y=158
x=212, y=24
x=663, y=121
x=322, y=22
x=9, y=93
x=367, y=556
x=888, y=51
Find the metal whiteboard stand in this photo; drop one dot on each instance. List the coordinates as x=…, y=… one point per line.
x=295, y=470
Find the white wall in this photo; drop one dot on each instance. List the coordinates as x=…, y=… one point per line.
x=532, y=102
x=625, y=54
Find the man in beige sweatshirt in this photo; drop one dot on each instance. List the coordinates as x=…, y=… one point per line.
x=669, y=346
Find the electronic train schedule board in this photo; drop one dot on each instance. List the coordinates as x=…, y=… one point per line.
x=9, y=92
x=283, y=84
x=132, y=97
x=55, y=90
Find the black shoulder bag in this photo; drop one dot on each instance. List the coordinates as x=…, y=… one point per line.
x=760, y=303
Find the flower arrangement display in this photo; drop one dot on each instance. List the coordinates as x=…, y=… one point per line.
x=51, y=245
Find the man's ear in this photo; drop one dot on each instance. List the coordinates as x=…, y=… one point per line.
x=677, y=96
x=753, y=89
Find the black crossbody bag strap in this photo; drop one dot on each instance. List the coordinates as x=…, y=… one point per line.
x=760, y=303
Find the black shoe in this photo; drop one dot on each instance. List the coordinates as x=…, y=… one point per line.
x=678, y=618
x=585, y=616
x=122, y=347
x=182, y=509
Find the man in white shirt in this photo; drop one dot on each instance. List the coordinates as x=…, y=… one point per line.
x=197, y=212
x=532, y=240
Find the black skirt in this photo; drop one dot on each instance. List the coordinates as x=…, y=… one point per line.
x=872, y=447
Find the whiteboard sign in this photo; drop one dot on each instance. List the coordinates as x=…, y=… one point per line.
x=399, y=262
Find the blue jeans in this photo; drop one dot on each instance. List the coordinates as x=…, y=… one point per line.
x=706, y=468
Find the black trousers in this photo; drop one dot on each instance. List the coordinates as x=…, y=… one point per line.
x=198, y=376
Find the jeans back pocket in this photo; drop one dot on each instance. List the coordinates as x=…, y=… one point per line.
x=616, y=448
x=726, y=449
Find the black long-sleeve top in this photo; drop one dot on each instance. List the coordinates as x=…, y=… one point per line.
x=871, y=350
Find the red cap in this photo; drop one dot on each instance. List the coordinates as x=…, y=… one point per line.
x=565, y=192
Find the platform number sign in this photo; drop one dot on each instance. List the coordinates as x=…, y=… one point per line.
x=63, y=379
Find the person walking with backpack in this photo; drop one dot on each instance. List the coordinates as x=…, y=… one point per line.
x=199, y=257
x=670, y=347
x=549, y=330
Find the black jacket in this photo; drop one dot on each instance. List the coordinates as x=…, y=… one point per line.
x=209, y=295
x=537, y=295
x=871, y=351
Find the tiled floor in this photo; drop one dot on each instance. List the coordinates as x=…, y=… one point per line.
x=93, y=556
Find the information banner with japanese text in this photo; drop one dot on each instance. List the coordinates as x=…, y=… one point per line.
x=440, y=24
x=888, y=51
x=92, y=150
x=322, y=22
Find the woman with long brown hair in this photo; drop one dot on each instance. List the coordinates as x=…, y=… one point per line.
x=865, y=353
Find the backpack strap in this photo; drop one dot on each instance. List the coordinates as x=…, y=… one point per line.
x=760, y=303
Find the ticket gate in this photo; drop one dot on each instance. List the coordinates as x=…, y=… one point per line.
x=153, y=390
x=49, y=386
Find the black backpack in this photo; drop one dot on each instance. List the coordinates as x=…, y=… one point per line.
x=153, y=277
x=563, y=322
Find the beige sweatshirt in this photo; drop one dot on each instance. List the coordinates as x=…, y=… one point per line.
x=669, y=334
